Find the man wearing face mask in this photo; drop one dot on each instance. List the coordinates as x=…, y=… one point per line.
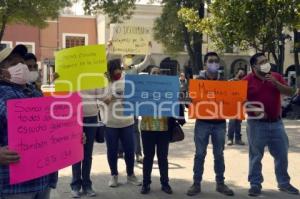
x=204, y=128
x=31, y=62
x=14, y=84
x=265, y=128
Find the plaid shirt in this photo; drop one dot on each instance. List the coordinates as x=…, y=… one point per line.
x=11, y=91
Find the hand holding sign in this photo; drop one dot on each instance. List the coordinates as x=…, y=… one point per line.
x=8, y=156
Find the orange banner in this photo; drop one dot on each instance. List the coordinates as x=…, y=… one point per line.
x=217, y=99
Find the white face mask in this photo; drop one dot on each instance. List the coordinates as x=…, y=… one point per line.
x=33, y=76
x=265, y=68
x=19, y=74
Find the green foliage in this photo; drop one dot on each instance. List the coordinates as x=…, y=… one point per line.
x=117, y=10
x=248, y=24
x=32, y=12
x=168, y=29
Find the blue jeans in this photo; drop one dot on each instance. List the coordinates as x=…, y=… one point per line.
x=137, y=144
x=261, y=134
x=203, y=130
x=126, y=136
x=82, y=170
x=234, y=130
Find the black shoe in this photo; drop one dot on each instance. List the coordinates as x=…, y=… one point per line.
x=145, y=189
x=239, y=142
x=290, y=189
x=194, y=190
x=223, y=189
x=254, y=191
x=167, y=189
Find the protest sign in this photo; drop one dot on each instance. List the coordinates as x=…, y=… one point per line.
x=217, y=99
x=46, y=133
x=130, y=39
x=151, y=95
x=81, y=68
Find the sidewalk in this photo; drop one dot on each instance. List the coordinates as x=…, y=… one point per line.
x=181, y=171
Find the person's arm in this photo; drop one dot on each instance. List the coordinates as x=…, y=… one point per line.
x=108, y=49
x=143, y=65
x=283, y=88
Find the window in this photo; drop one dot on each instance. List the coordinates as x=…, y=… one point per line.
x=5, y=44
x=30, y=46
x=72, y=40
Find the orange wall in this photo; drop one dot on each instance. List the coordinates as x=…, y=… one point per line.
x=23, y=33
x=50, y=38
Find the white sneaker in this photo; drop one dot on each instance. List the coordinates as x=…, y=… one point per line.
x=75, y=194
x=133, y=180
x=113, y=182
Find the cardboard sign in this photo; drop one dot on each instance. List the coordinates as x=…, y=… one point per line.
x=81, y=68
x=151, y=95
x=217, y=99
x=47, y=134
x=130, y=39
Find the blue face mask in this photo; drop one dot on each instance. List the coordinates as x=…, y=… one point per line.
x=213, y=67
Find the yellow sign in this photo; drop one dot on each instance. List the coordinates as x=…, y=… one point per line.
x=81, y=68
x=130, y=39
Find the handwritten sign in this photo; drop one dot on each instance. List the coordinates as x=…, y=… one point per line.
x=149, y=95
x=217, y=99
x=81, y=68
x=46, y=134
x=130, y=39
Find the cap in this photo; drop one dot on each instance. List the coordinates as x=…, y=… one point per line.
x=5, y=53
x=19, y=49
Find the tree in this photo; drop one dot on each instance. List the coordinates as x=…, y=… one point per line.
x=32, y=12
x=173, y=34
x=257, y=24
x=117, y=10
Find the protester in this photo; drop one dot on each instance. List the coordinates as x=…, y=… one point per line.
x=183, y=86
x=265, y=127
x=118, y=126
x=31, y=62
x=81, y=171
x=206, y=128
x=133, y=69
x=14, y=84
x=234, y=126
x=155, y=135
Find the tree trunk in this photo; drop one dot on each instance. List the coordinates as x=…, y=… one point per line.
x=3, y=25
x=296, y=57
x=197, y=43
x=275, y=58
x=197, y=46
x=187, y=41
